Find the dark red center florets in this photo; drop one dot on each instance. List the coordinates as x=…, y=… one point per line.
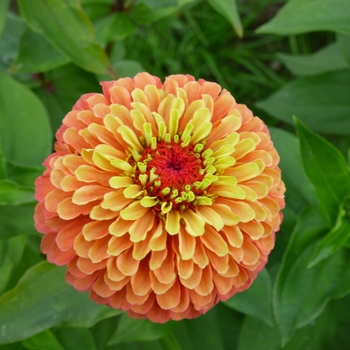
x=176, y=166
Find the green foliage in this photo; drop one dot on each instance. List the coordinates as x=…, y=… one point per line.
x=287, y=58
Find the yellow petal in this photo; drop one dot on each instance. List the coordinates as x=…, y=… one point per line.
x=133, y=191
x=134, y=211
x=211, y=217
x=194, y=222
x=120, y=181
x=172, y=222
x=187, y=244
x=130, y=138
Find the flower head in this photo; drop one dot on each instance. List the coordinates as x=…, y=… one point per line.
x=161, y=198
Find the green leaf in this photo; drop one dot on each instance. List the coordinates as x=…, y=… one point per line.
x=321, y=102
x=62, y=87
x=43, y=299
x=37, y=55
x=127, y=68
x=45, y=340
x=76, y=338
x=343, y=42
x=13, y=194
x=327, y=170
x=142, y=14
x=256, y=301
x=203, y=332
x=4, y=4
x=9, y=41
x=300, y=192
x=301, y=16
x=256, y=334
x=64, y=24
x=327, y=59
x=130, y=329
x=115, y=26
x=11, y=226
x=300, y=294
x=11, y=250
x=228, y=9
x=334, y=240
x=23, y=123
x=23, y=175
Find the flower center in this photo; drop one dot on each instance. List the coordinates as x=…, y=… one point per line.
x=174, y=176
x=176, y=166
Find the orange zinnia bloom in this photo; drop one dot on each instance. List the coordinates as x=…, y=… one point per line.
x=161, y=198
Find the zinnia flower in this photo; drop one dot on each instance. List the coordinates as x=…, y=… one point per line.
x=161, y=198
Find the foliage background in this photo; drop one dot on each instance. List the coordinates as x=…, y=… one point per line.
x=282, y=59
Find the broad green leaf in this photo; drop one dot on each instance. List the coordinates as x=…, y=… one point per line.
x=327, y=59
x=300, y=16
x=45, y=340
x=256, y=301
x=203, y=332
x=21, y=174
x=64, y=86
x=76, y=338
x=4, y=4
x=130, y=329
x=127, y=68
x=9, y=40
x=11, y=225
x=64, y=24
x=3, y=173
x=300, y=192
x=11, y=250
x=300, y=294
x=228, y=9
x=320, y=101
x=37, y=55
x=142, y=14
x=257, y=335
x=14, y=194
x=115, y=26
x=334, y=240
x=343, y=42
x=24, y=124
x=326, y=168
x=43, y=299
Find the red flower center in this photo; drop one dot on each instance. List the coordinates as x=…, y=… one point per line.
x=176, y=166
x=174, y=174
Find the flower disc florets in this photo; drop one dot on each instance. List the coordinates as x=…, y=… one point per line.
x=161, y=198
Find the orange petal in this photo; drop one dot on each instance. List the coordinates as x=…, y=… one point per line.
x=251, y=253
x=65, y=237
x=118, y=245
x=194, y=279
x=98, y=251
x=199, y=256
x=171, y=298
x=166, y=272
x=140, y=228
x=159, y=287
x=214, y=241
x=127, y=264
x=141, y=281
x=96, y=229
